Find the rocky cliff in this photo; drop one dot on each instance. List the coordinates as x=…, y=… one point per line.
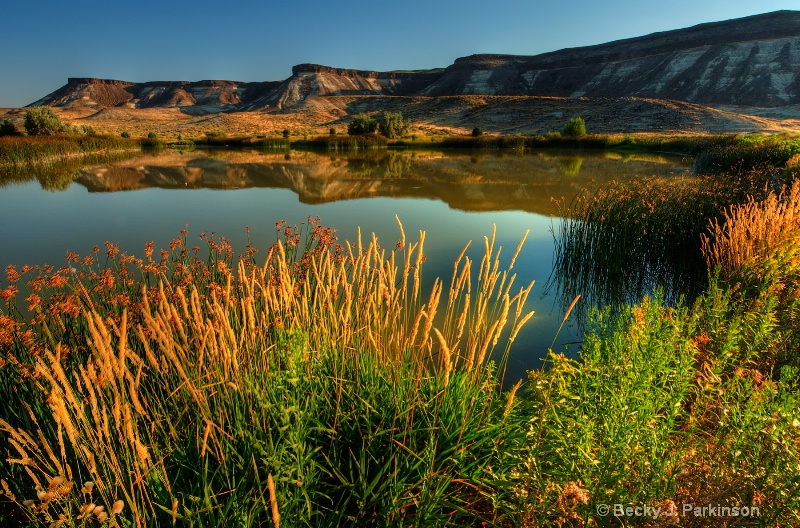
x=752, y=61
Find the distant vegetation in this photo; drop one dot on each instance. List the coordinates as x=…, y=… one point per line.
x=575, y=127
x=7, y=128
x=362, y=124
x=393, y=125
x=43, y=121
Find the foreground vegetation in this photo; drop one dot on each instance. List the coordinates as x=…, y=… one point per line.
x=318, y=385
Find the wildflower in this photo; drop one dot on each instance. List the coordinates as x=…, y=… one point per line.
x=116, y=508
x=11, y=272
x=87, y=487
x=34, y=301
x=102, y=516
x=8, y=293
x=113, y=249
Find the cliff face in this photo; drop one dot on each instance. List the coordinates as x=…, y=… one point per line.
x=752, y=61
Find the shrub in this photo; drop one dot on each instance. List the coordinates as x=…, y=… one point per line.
x=332, y=131
x=125, y=134
x=83, y=130
x=361, y=124
x=286, y=133
x=151, y=135
x=575, y=127
x=477, y=132
x=43, y=121
x=7, y=128
x=393, y=125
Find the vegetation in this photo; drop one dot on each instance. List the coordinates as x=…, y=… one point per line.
x=321, y=385
x=286, y=133
x=477, y=132
x=344, y=143
x=362, y=124
x=628, y=238
x=43, y=121
x=152, y=135
x=7, y=128
x=575, y=127
x=17, y=152
x=392, y=125
x=417, y=428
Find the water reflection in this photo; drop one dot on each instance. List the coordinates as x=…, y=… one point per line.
x=493, y=182
x=454, y=197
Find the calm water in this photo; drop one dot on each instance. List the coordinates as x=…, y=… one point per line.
x=453, y=197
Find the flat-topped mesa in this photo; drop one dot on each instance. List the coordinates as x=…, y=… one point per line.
x=367, y=74
x=752, y=61
x=73, y=81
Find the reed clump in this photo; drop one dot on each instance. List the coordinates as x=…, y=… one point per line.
x=17, y=152
x=321, y=385
x=628, y=238
x=345, y=143
x=748, y=232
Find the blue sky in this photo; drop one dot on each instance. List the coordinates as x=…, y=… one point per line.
x=44, y=41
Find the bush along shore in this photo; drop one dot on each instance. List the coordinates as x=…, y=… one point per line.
x=318, y=385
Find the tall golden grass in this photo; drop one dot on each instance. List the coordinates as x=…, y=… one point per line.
x=749, y=231
x=110, y=413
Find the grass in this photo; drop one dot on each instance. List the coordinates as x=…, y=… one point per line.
x=319, y=385
x=627, y=239
x=320, y=388
x=16, y=152
x=325, y=370
x=343, y=142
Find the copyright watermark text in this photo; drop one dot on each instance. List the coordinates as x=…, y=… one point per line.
x=672, y=510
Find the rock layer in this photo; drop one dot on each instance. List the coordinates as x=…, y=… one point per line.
x=752, y=61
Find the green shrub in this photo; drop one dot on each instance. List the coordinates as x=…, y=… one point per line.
x=125, y=134
x=7, y=128
x=286, y=133
x=43, y=121
x=361, y=124
x=151, y=135
x=575, y=127
x=477, y=132
x=83, y=130
x=393, y=125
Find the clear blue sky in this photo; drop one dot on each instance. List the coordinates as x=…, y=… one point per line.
x=46, y=41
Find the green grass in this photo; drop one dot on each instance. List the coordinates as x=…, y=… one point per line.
x=625, y=240
x=343, y=143
x=16, y=152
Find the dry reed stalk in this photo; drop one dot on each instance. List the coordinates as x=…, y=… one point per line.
x=273, y=501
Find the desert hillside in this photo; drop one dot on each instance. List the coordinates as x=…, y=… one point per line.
x=736, y=75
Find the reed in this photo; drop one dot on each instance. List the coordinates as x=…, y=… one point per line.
x=318, y=385
x=747, y=233
x=344, y=143
x=17, y=152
